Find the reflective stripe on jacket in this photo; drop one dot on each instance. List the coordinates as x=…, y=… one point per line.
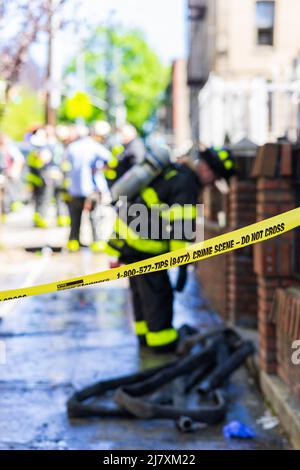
x=170, y=205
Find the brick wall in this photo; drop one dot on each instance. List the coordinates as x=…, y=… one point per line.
x=214, y=203
x=273, y=260
x=286, y=317
x=229, y=280
x=212, y=274
x=241, y=278
x=241, y=285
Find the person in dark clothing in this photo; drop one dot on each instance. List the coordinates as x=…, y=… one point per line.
x=172, y=199
x=130, y=152
x=39, y=163
x=134, y=148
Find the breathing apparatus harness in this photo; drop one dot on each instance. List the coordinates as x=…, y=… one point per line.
x=141, y=175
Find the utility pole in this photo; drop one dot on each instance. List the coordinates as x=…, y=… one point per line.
x=54, y=66
x=116, y=111
x=110, y=68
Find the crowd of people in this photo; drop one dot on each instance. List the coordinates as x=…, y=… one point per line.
x=76, y=167
x=70, y=168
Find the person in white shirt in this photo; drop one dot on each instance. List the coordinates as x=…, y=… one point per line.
x=87, y=158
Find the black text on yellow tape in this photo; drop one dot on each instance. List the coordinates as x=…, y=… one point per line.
x=258, y=232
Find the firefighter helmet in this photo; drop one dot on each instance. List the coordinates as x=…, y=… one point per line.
x=220, y=160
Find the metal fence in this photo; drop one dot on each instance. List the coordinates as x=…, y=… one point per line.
x=259, y=110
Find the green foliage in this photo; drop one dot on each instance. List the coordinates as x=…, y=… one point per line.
x=138, y=72
x=23, y=109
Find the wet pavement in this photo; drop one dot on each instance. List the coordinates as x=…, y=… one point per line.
x=57, y=343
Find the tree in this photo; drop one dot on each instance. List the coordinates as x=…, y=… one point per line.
x=24, y=109
x=29, y=19
x=120, y=67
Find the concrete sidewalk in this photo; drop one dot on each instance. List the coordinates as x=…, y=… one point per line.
x=60, y=342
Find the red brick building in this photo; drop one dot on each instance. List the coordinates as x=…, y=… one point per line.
x=259, y=286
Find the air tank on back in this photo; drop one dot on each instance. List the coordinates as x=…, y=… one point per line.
x=141, y=175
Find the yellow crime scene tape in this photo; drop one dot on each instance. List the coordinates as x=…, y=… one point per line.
x=255, y=233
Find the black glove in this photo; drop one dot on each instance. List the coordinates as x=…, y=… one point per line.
x=181, y=278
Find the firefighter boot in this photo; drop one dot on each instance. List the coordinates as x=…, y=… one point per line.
x=73, y=246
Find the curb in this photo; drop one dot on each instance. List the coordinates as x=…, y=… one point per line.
x=284, y=404
x=276, y=393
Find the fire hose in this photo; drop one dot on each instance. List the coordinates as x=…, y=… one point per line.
x=135, y=396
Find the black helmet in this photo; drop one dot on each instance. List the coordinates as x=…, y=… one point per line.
x=220, y=160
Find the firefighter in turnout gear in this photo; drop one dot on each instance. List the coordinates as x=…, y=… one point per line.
x=167, y=224
x=60, y=168
x=38, y=162
x=111, y=170
x=126, y=153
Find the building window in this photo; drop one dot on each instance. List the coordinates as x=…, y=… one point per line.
x=197, y=10
x=265, y=17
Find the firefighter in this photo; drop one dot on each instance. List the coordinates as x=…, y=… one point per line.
x=152, y=294
x=60, y=173
x=39, y=162
x=128, y=151
x=134, y=149
x=173, y=192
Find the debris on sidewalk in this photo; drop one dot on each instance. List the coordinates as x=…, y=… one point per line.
x=203, y=371
x=268, y=421
x=238, y=430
